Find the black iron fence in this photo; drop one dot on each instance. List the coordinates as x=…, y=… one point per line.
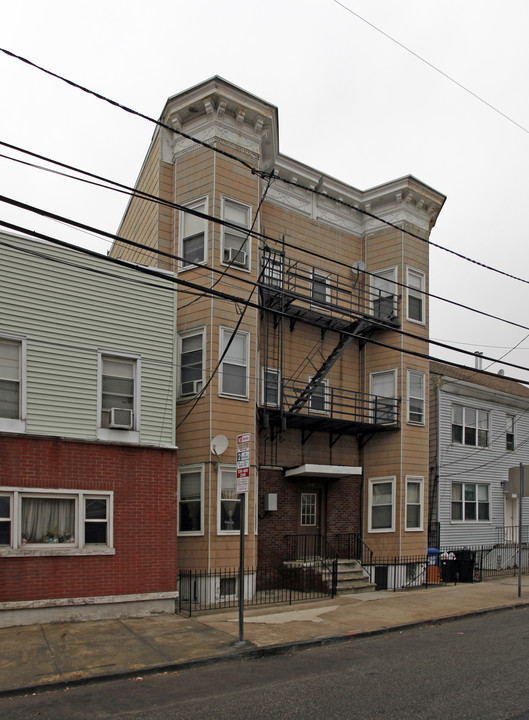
x=294, y=581
x=399, y=573
x=488, y=561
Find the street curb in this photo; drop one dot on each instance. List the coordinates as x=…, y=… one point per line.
x=245, y=653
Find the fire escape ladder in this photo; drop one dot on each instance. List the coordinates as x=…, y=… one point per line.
x=306, y=393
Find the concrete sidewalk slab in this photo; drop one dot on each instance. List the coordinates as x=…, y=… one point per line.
x=43, y=656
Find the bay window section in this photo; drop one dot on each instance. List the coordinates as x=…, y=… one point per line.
x=190, y=492
x=229, y=502
x=234, y=366
x=414, y=503
x=381, y=505
x=416, y=281
x=191, y=362
x=193, y=233
x=235, y=243
x=415, y=397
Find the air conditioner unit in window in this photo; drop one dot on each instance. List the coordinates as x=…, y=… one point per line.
x=235, y=256
x=191, y=387
x=120, y=419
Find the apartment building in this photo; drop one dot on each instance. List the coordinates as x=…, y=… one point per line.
x=301, y=302
x=88, y=466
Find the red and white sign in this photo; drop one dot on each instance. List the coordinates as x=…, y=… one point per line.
x=243, y=462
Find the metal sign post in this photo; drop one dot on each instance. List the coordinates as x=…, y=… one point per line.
x=243, y=487
x=520, y=532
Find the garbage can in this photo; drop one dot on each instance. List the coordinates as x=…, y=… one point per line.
x=465, y=565
x=432, y=570
x=448, y=567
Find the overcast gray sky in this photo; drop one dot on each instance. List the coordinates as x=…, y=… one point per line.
x=351, y=103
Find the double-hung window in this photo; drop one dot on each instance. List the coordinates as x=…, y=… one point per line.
x=12, y=384
x=414, y=503
x=272, y=270
x=190, y=500
x=319, y=289
x=509, y=432
x=415, y=397
x=191, y=362
x=318, y=402
x=229, y=508
x=470, y=426
x=119, y=397
x=383, y=294
x=381, y=499
x=271, y=387
x=234, y=366
x=383, y=401
x=71, y=522
x=416, y=282
x=235, y=247
x=470, y=502
x=193, y=234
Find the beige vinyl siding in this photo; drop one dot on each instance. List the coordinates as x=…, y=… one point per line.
x=68, y=313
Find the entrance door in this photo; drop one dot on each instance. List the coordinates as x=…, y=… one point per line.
x=311, y=520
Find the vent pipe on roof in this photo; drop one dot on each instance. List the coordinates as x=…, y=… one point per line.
x=479, y=360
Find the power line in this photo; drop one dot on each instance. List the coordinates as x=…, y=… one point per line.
x=262, y=173
x=433, y=67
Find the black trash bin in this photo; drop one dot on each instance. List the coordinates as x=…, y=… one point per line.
x=465, y=565
x=448, y=565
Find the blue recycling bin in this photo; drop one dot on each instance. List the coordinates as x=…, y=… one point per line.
x=433, y=556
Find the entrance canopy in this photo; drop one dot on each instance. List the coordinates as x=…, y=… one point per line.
x=329, y=471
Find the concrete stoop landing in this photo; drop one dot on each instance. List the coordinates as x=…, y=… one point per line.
x=352, y=578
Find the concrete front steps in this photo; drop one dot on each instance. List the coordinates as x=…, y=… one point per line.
x=352, y=578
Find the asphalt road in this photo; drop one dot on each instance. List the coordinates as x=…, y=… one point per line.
x=471, y=668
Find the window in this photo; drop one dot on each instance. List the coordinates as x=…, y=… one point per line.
x=234, y=366
x=384, y=404
x=416, y=397
x=235, y=244
x=230, y=502
x=470, y=426
x=319, y=288
x=470, y=502
x=383, y=296
x=308, y=509
x=191, y=362
x=319, y=396
x=381, y=505
x=414, y=503
x=119, y=396
x=415, y=284
x=509, y=432
x=193, y=234
x=12, y=384
x=33, y=521
x=190, y=493
x=270, y=387
x=272, y=269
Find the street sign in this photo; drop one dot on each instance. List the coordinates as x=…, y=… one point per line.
x=243, y=463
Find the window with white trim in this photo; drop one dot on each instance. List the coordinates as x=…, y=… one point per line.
x=416, y=303
x=190, y=500
x=415, y=397
x=192, y=344
x=119, y=392
x=233, y=376
x=308, y=509
x=414, y=503
x=470, y=426
x=229, y=507
x=383, y=390
x=470, y=502
x=319, y=397
x=383, y=294
x=271, y=387
x=34, y=521
x=193, y=234
x=509, y=432
x=12, y=383
x=381, y=504
x=235, y=244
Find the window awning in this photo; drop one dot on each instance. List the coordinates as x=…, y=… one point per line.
x=330, y=471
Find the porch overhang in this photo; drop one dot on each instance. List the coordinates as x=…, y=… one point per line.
x=328, y=471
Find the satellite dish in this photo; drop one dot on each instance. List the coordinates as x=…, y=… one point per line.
x=219, y=444
x=359, y=266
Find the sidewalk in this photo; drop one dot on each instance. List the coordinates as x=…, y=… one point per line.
x=41, y=656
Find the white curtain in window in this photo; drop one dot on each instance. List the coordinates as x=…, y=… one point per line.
x=48, y=520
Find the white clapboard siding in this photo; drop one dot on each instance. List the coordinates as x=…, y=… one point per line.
x=67, y=313
x=461, y=463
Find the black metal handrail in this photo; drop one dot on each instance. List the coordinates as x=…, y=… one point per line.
x=352, y=547
x=310, y=548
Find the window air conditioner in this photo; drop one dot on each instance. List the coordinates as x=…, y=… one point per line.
x=235, y=256
x=120, y=419
x=191, y=387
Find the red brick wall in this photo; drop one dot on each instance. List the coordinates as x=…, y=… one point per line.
x=343, y=502
x=144, y=482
